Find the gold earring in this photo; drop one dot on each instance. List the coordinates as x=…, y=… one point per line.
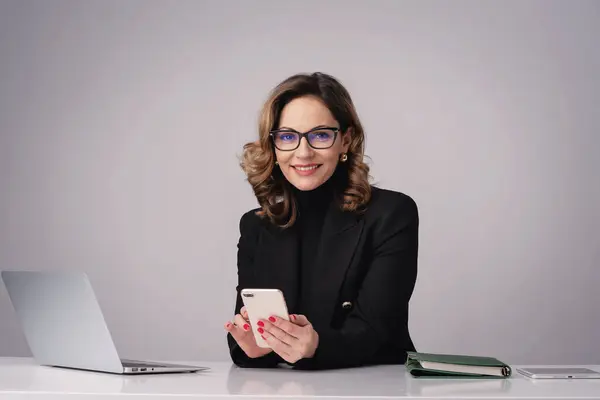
x=344, y=157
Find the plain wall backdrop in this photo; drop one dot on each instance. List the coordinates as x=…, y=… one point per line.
x=121, y=123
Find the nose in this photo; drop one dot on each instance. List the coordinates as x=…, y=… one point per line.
x=304, y=150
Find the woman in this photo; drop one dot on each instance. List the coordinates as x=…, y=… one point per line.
x=343, y=252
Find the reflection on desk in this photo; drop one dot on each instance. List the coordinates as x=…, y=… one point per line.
x=458, y=387
x=376, y=381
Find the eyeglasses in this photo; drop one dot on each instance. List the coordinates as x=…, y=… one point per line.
x=318, y=138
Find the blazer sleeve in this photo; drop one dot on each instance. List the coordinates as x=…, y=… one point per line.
x=380, y=313
x=247, y=243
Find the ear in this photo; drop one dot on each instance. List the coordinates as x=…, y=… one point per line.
x=346, y=139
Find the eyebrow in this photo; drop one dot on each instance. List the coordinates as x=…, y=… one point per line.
x=311, y=129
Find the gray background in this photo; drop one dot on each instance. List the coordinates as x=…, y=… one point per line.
x=121, y=123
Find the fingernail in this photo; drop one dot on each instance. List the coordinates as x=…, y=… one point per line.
x=264, y=338
x=246, y=327
x=260, y=323
x=293, y=317
x=272, y=319
x=228, y=325
x=261, y=330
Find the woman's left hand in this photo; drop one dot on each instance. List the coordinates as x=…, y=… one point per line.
x=293, y=340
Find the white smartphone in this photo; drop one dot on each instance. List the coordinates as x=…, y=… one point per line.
x=261, y=304
x=559, y=373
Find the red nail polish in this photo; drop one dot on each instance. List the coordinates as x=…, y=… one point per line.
x=246, y=327
x=261, y=330
x=293, y=317
x=272, y=319
x=260, y=323
x=264, y=338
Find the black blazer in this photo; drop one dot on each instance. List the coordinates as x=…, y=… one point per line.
x=359, y=306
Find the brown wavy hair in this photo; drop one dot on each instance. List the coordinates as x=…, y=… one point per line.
x=271, y=188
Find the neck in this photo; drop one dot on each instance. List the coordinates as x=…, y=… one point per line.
x=320, y=197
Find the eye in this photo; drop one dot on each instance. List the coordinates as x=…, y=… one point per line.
x=286, y=136
x=322, y=135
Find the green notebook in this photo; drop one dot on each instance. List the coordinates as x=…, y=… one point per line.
x=455, y=366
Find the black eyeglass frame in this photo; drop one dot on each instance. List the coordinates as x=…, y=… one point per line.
x=301, y=135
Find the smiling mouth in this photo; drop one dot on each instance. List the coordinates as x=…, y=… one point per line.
x=306, y=167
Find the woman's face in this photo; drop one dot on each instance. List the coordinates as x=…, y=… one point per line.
x=306, y=167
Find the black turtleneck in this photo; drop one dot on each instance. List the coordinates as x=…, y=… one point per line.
x=312, y=208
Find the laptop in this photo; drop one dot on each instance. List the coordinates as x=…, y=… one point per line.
x=64, y=325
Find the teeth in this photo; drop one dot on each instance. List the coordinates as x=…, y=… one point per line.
x=307, y=168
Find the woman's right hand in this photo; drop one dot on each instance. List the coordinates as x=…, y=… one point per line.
x=242, y=333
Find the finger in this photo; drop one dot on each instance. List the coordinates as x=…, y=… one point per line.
x=244, y=312
x=277, y=332
x=277, y=345
x=299, y=319
x=237, y=333
x=288, y=327
x=241, y=323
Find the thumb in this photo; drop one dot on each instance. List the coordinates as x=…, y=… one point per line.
x=299, y=319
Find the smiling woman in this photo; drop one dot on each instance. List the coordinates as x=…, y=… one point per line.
x=318, y=109
x=343, y=252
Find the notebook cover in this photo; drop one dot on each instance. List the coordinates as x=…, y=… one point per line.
x=415, y=368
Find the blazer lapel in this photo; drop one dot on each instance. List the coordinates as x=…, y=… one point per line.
x=339, y=238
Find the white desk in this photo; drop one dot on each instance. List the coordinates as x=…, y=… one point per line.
x=21, y=379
